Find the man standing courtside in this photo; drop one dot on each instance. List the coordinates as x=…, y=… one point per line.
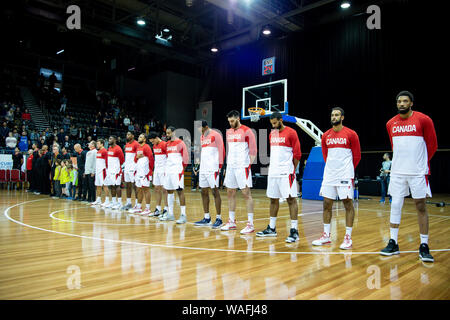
x=241, y=148
x=414, y=142
x=342, y=153
x=160, y=155
x=177, y=160
x=285, y=155
x=114, y=173
x=101, y=163
x=130, y=169
x=89, y=171
x=211, y=162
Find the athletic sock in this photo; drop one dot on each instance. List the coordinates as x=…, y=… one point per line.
x=183, y=210
x=99, y=199
x=138, y=206
x=394, y=234
x=136, y=201
x=423, y=238
x=273, y=222
x=158, y=208
x=114, y=200
x=294, y=224
x=147, y=206
x=170, y=200
x=207, y=216
x=348, y=230
x=128, y=200
x=106, y=199
x=166, y=208
x=250, y=217
x=232, y=217
x=218, y=216
x=327, y=228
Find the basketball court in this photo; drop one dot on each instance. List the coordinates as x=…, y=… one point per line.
x=53, y=249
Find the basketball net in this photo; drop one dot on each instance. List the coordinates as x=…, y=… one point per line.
x=255, y=113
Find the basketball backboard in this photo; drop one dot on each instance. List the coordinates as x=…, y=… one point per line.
x=271, y=96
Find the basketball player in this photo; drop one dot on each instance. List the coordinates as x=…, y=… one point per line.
x=211, y=161
x=414, y=142
x=144, y=170
x=342, y=153
x=130, y=169
x=285, y=154
x=177, y=160
x=241, y=145
x=160, y=151
x=114, y=173
x=100, y=173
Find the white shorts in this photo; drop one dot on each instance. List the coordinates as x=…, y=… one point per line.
x=238, y=178
x=282, y=187
x=143, y=181
x=100, y=177
x=158, y=178
x=345, y=191
x=400, y=186
x=173, y=181
x=113, y=179
x=129, y=176
x=209, y=180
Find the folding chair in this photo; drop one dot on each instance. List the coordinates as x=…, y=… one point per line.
x=14, y=176
x=3, y=177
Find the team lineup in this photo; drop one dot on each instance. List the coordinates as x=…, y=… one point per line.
x=412, y=137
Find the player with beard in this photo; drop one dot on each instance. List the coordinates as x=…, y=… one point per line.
x=101, y=163
x=241, y=146
x=160, y=155
x=130, y=169
x=414, y=142
x=285, y=154
x=342, y=153
x=177, y=160
x=144, y=170
x=114, y=173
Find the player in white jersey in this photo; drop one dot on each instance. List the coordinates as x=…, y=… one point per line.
x=342, y=153
x=114, y=173
x=211, y=162
x=414, y=142
x=130, y=169
x=285, y=154
x=160, y=155
x=241, y=152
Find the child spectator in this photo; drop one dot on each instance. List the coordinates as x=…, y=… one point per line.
x=57, y=179
x=65, y=179
x=73, y=181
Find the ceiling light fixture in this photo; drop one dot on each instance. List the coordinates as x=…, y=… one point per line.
x=345, y=5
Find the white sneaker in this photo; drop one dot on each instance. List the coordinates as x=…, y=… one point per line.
x=136, y=209
x=324, y=239
x=231, y=225
x=146, y=212
x=168, y=217
x=347, y=243
x=182, y=219
x=132, y=209
x=248, y=229
x=96, y=203
x=116, y=206
x=107, y=204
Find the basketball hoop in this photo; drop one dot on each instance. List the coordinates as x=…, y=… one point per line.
x=255, y=113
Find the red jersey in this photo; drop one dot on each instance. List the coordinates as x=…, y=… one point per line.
x=101, y=161
x=130, y=154
x=30, y=162
x=241, y=144
x=144, y=165
x=177, y=156
x=115, y=160
x=284, y=148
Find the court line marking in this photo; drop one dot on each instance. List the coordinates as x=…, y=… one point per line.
x=188, y=248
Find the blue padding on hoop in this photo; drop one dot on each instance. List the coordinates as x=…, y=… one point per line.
x=288, y=118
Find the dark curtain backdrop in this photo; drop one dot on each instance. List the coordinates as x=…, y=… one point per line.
x=361, y=70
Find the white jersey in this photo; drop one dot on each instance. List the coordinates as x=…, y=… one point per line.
x=160, y=151
x=130, y=154
x=284, y=147
x=115, y=160
x=241, y=144
x=211, y=158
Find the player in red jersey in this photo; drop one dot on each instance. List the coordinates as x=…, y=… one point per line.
x=414, y=142
x=342, y=153
x=177, y=160
x=144, y=170
x=130, y=169
x=114, y=173
x=285, y=154
x=241, y=152
x=160, y=155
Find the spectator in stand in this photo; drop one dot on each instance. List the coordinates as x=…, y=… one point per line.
x=98, y=121
x=34, y=137
x=73, y=132
x=26, y=115
x=126, y=121
x=15, y=133
x=152, y=124
x=137, y=128
x=4, y=133
x=61, y=135
x=40, y=142
x=147, y=129
x=94, y=133
x=63, y=104
x=89, y=139
x=131, y=127
x=10, y=115
x=66, y=144
x=81, y=134
x=66, y=123
x=24, y=143
x=64, y=154
x=10, y=142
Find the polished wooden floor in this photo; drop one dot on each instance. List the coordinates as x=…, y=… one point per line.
x=60, y=249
